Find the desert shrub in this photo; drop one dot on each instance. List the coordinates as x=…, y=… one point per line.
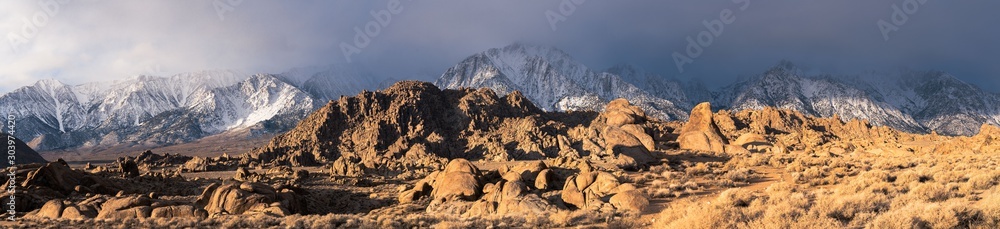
x=698, y=169
x=626, y=223
x=575, y=218
x=868, y=179
x=859, y=207
x=913, y=176
x=741, y=175
x=896, y=219
x=989, y=207
x=984, y=180
x=930, y=192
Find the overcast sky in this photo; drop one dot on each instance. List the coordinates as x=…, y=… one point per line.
x=85, y=41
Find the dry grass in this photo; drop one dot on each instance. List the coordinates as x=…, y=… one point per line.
x=853, y=191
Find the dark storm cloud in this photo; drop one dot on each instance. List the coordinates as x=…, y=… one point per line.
x=107, y=39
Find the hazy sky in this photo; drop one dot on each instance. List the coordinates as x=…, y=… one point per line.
x=80, y=41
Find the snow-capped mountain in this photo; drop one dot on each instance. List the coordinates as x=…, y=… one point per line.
x=154, y=110
x=910, y=101
x=553, y=80
x=937, y=100
x=151, y=109
x=783, y=86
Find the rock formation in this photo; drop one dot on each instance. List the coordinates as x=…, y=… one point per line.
x=249, y=198
x=118, y=207
x=414, y=126
x=590, y=189
x=150, y=159
x=700, y=132
x=463, y=189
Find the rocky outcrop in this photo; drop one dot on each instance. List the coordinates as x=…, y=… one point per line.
x=120, y=207
x=249, y=198
x=526, y=188
x=414, y=126
x=203, y=164
x=700, y=132
x=459, y=180
x=59, y=177
x=383, y=126
x=128, y=168
x=243, y=174
x=620, y=112
x=150, y=159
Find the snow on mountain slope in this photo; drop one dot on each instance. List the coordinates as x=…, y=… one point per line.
x=783, y=87
x=48, y=106
x=259, y=98
x=150, y=109
x=552, y=80
x=952, y=106
x=937, y=100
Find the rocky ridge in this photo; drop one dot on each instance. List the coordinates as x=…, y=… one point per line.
x=373, y=131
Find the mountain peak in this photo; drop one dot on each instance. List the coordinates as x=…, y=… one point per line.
x=49, y=83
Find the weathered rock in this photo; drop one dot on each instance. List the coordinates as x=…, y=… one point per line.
x=242, y=174
x=457, y=185
x=178, y=211
x=128, y=168
x=196, y=164
x=59, y=177
x=604, y=183
x=749, y=139
x=640, y=133
x=572, y=195
x=525, y=171
x=125, y=207
x=350, y=166
x=632, y=200
x=591, y=189
x=52, y=209
x=620, y=112
x=629, y=151
x=545, y=180
x=282, y=171
x=148, y=158
x=459, y=180
x=249, y=198
x=700, y=132
x=408, y=196
x=73, y=212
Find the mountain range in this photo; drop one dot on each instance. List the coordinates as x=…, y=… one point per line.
x=158, y=110
x=914, y=101
x=154, y=110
